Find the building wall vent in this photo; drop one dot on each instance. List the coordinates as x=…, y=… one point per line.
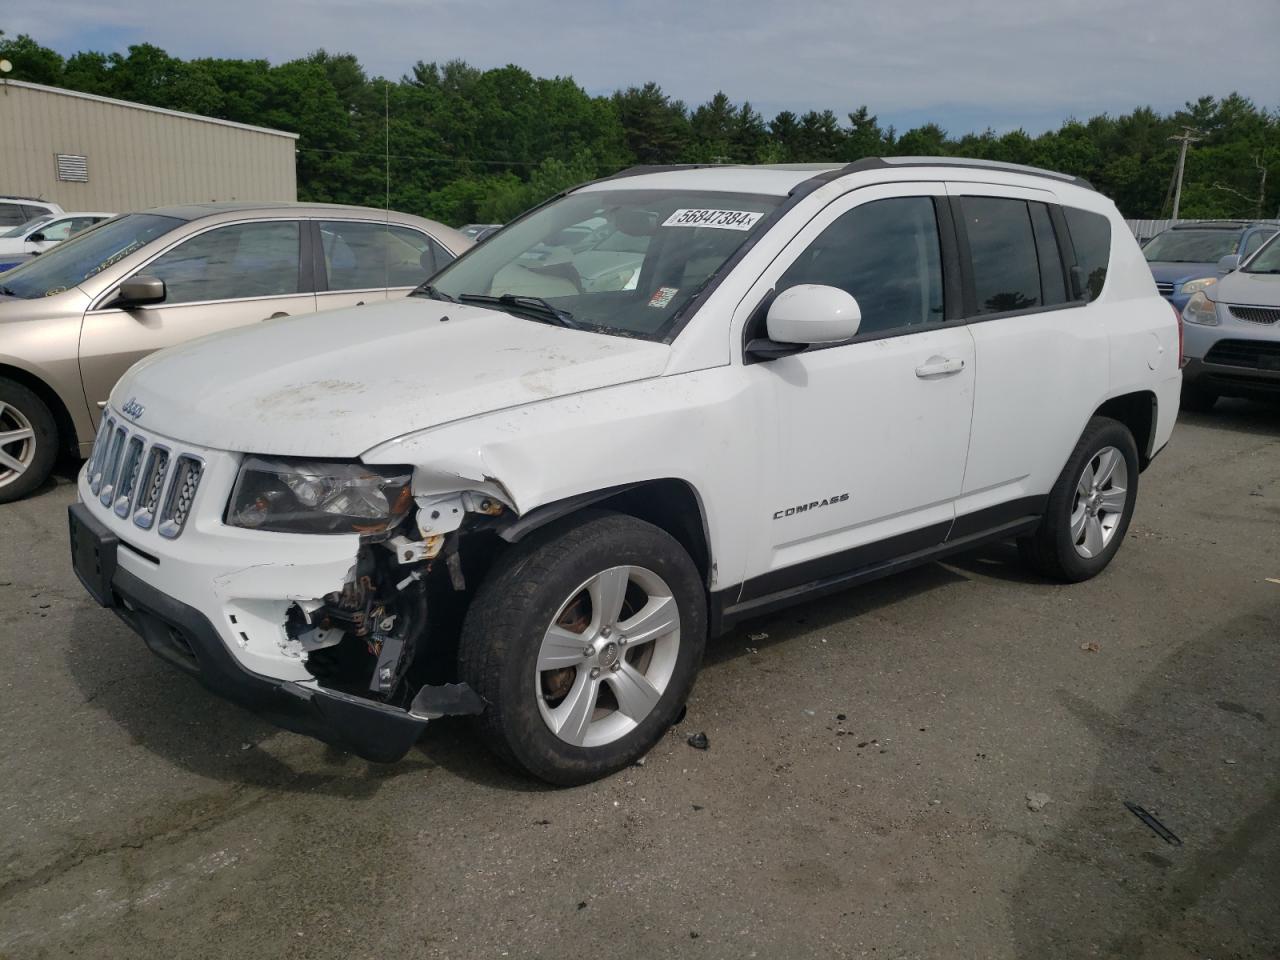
x=72, y=168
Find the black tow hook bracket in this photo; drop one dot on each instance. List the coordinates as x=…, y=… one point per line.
x=446, y=700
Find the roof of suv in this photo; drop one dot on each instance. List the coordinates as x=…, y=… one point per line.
x=782, y=178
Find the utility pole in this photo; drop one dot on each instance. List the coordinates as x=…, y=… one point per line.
x=1185, y=139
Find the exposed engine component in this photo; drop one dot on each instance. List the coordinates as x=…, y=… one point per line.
x=362, y=638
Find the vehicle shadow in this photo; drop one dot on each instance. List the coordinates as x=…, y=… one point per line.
x=811, y=615
x=1194, y=746
x=171, y=715
x=64, y=475
x=1253, y=417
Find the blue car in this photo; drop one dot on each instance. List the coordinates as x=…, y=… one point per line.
x=1186, y=257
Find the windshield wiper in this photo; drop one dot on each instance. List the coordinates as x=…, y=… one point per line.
x=7, y=292
x=427, y=290
x=538, y=308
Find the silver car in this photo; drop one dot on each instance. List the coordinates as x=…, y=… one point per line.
x=1232, y=333
x=74, y=319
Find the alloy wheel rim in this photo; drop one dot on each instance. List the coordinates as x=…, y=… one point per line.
x=1099, y=501
x=17, y=443
x=608, y=656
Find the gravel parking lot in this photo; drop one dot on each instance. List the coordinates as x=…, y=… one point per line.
x=141, y=816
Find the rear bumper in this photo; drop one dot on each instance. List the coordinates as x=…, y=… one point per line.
x=184, y=637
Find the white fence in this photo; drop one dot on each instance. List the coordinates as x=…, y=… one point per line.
x=1146, y=229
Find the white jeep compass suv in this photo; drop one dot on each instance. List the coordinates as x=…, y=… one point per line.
x=647, y=409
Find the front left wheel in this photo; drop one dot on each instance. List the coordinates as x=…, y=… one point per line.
x=584, y=641
x=28, y=441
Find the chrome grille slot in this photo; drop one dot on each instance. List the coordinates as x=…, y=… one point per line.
x=130, y=467
x=182, y=491
x=99, y=455
x=1164, y=289
x=111, y=468
x=151, y=486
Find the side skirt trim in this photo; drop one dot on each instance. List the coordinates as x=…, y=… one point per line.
x=968, y=532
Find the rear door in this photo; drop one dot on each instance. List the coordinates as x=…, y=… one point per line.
x=364, y=261
x=225, y=276
x=1043, y=357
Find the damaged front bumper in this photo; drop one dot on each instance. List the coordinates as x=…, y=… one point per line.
x=211, y=569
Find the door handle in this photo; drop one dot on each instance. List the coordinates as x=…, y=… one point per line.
x=939, y=367
x=275, y=316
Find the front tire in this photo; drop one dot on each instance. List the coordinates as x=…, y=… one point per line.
x=584, y=640
x=1090, y=506
x=28, y=441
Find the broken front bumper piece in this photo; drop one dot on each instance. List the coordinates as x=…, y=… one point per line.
x=184, y=637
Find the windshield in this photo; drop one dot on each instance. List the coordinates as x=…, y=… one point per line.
x=1191, y=246
x=75, y=260
x=1266, y=260
x=616, y=261
x=24, y=228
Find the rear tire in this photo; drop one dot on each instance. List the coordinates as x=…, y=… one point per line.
x=576, y=686
x=1090, y=506
x=28, y=441
x=1197, y=399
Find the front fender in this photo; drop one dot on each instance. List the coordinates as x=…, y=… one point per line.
x=689, y=427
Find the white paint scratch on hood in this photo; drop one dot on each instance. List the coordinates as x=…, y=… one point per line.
x=335, y=384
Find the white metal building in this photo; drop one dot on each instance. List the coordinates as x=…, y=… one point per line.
x=87, y=152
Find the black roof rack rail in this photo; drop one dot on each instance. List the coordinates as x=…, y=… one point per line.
x=873, y=163
x=967, y=163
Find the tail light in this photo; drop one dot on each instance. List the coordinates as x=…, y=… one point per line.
x=1182, y=360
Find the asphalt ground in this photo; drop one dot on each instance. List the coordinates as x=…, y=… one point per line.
x=140, y=816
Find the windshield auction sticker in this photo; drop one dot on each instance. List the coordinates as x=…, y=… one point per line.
x=720, y=219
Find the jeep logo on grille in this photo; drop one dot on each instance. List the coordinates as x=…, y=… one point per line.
x=133, y=409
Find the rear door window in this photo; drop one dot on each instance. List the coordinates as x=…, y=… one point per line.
x=1002, y=248
x=365, y=255
x=1091, y=241
x=11, y=214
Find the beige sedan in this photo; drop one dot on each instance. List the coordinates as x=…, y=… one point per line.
x=73, y=320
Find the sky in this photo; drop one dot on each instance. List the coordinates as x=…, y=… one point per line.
x=964, y=64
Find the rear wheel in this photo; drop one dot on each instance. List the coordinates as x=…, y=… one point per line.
x=1197, y=399
x=28, y=441
x=584, y=642
x=1089, y=507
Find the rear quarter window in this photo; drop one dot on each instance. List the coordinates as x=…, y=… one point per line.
x=1091, y=238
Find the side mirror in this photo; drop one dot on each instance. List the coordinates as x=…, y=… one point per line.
x=813, y=313
x=37, y=237
x=1228, y=263
x=139, y=291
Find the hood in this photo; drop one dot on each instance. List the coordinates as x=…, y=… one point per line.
x=1249, y=289
x=1171, y=272
x=334, y=384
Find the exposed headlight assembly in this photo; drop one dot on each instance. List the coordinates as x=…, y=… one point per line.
x=1200, y=309
x=307, y=496
x=1195, y=286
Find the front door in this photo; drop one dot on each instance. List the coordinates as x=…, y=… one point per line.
x=863, y=442
x=224, y=277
